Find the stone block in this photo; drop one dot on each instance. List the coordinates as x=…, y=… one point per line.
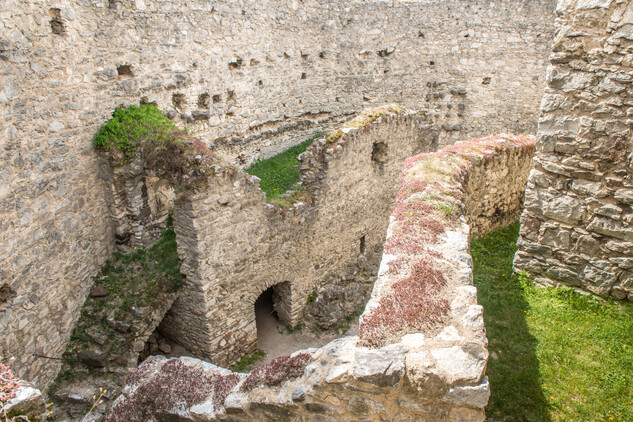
x=473, y=396
x=383, y=367
x=28, y=401
x=459, y=367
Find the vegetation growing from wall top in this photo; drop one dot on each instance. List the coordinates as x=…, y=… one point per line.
x=555, y=355
x=130, y=128
x=143, y=132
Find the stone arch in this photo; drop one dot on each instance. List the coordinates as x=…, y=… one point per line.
x=282, y=299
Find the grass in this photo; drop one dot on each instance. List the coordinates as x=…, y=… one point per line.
x=278, y=174
x=556, y=355
x=246, y=363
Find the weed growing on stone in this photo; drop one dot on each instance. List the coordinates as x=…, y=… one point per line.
x=413, y=304
x=277, y=371
x=8, y=384
x=176, y=384
x=278, y=174
x=555, y=355
x=246, y=363
x=311, y=297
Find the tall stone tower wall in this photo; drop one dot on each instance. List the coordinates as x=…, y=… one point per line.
x=576, y=228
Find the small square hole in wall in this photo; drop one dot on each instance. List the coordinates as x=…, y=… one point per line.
x=363, y=246
x=178, y=100
x=6, y=294
x=146, y=101
x=216, y=98
x=203, y=100
x=486, y=80
x=230, y=95
x=304, y=75
x=236, y=64
x=379, y=152
x=57, y=25
x=124, y=70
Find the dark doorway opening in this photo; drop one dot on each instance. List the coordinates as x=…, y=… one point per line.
x=272, y=312
x=266, y=317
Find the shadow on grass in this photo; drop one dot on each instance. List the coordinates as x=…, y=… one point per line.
x=513, y=367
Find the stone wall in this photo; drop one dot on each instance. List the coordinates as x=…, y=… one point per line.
x=248, y=77
x=234, y=245
x=427, y=369
x=576, y=227
x=503, y=181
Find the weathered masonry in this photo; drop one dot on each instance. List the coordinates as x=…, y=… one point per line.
x=234, y=245
x=248, y=78
x=421, y=352
x=576, y=229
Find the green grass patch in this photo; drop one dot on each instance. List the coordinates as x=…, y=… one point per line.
x=246, y=363
x=278, y=174
x=556, y=355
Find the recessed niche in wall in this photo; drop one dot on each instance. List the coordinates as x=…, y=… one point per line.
x=230, y=95
x=216, y=98
x=6, y=294
x=363, y=245
x=322, y=54
x=178, y=100
x=236, y=64
x=145, y=101
x=57, y=25
x=203, y=100
x=124, y=70
x=304, y=75
x=486, y=80
x=379, y=152
x=432, y=63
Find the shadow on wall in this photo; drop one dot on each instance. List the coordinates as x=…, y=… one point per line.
x=513, y=365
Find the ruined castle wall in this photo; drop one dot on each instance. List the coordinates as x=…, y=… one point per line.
x=234, y=245
x=433, y=372
x=576, y=226
x=502, y=182
x=271, y=72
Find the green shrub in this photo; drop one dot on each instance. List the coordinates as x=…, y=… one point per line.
x=144, y=132
x=131, y=127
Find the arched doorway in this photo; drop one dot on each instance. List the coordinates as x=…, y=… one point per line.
x=272, y=312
